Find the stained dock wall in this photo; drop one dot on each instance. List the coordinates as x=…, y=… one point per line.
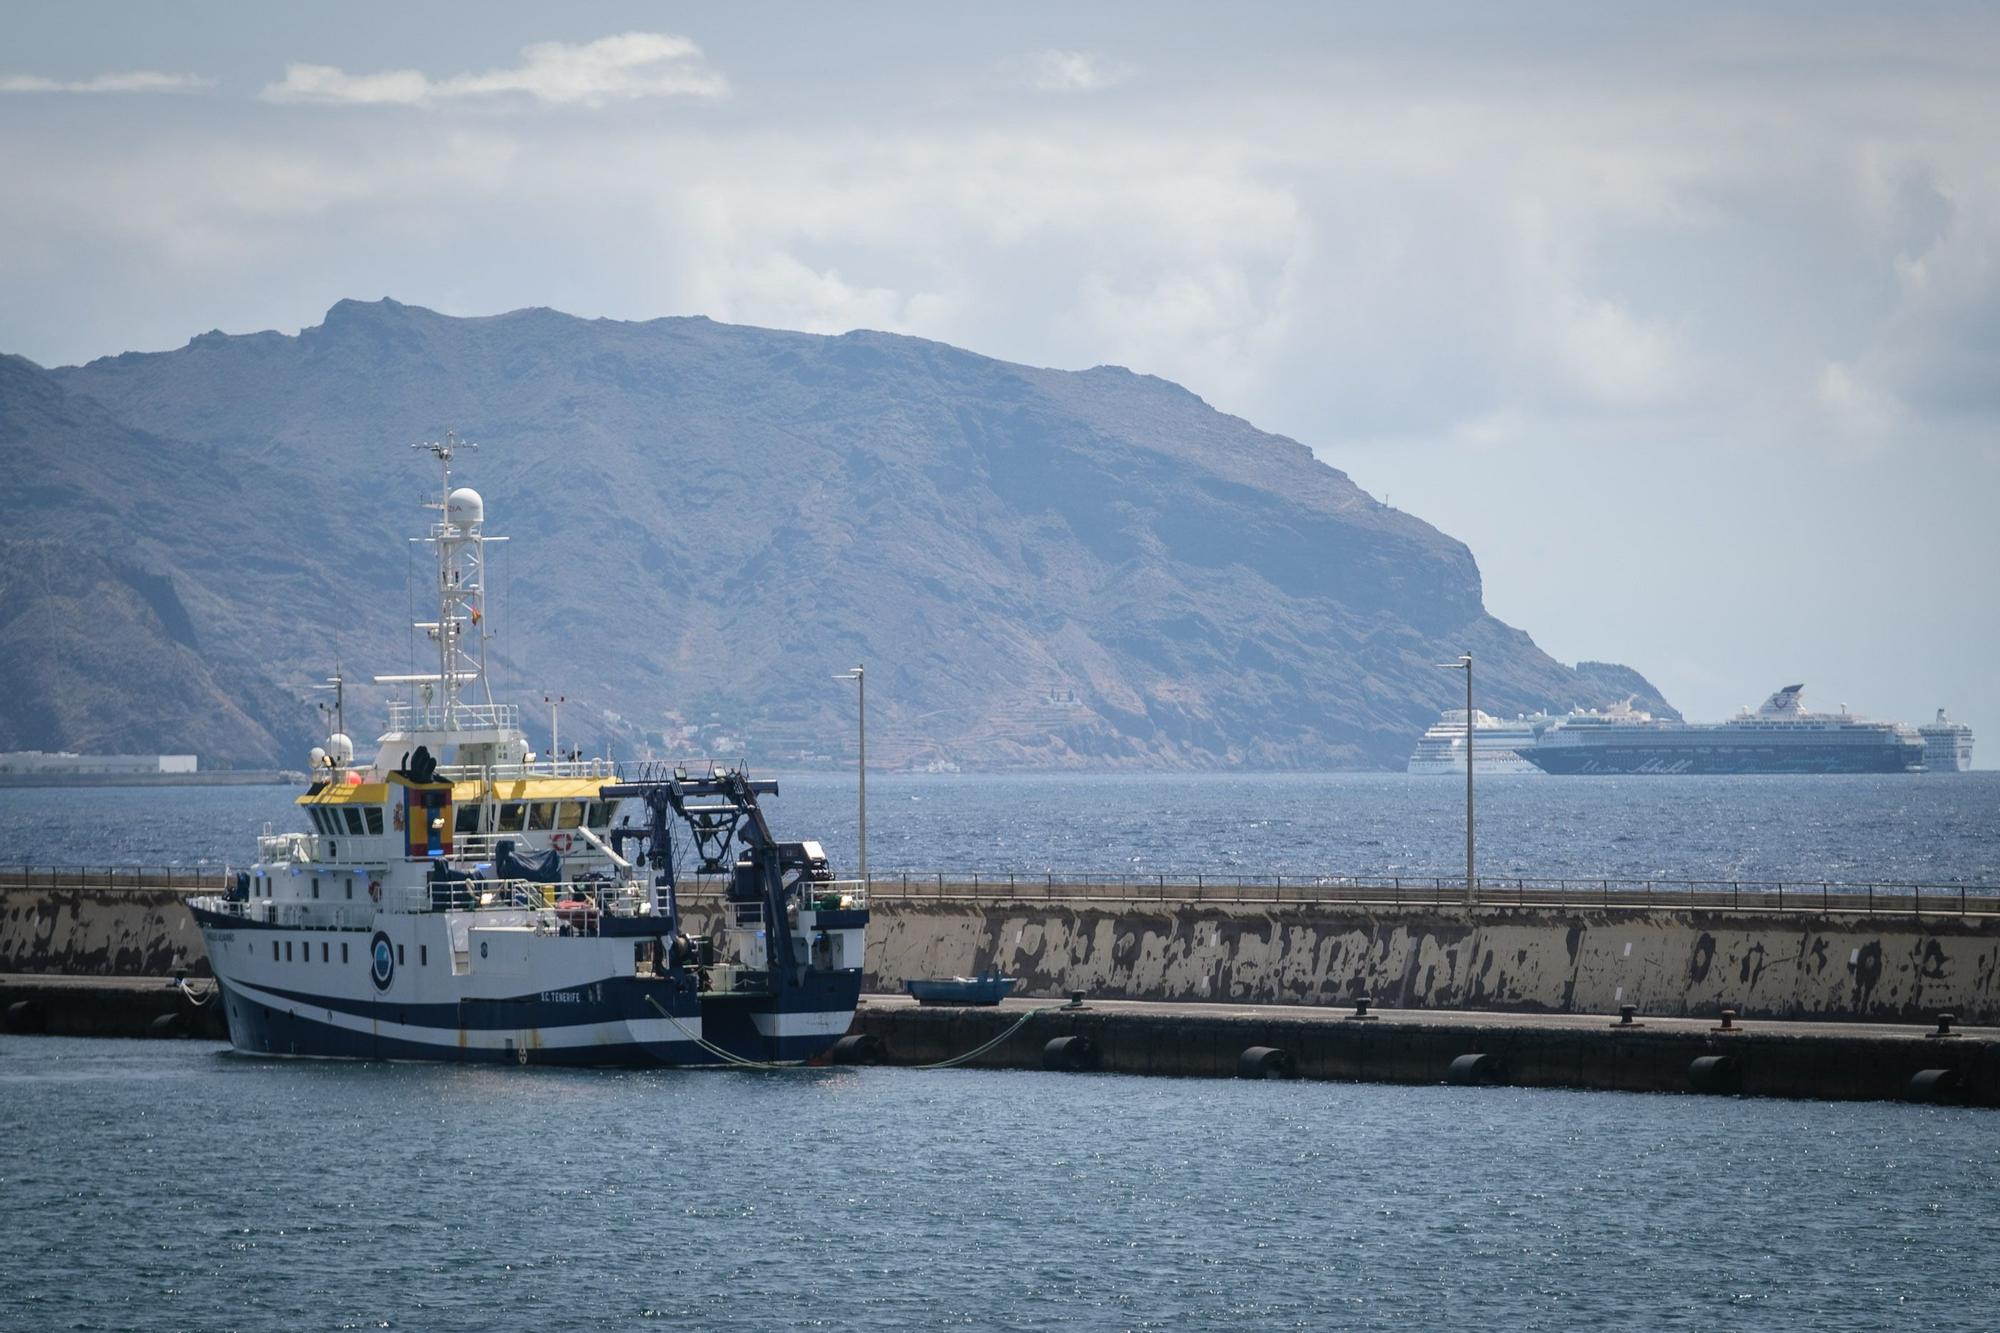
x=1791, y=964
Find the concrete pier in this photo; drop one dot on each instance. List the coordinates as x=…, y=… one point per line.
x=1831, y=1061
x=1825, y=1061
x=108, y=1007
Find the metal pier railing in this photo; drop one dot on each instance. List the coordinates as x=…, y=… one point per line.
x=1197, y=888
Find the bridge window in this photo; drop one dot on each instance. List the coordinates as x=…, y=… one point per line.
x=569, y=814
x=324, y=952
x=542, y=815
x=373, y=814
x=353, y=820
x=468, y=818
x=600, y=814
x=288, y=951
x=513, y=815
x=343, y=951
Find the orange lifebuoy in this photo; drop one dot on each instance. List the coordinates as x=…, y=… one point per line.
x=562, y=842
x=375, y=889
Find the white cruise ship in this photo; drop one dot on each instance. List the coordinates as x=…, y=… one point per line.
x=1496, y=743
x=1778, y=737
x=1947, y=745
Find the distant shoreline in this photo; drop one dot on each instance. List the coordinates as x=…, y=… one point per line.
x=247, y=777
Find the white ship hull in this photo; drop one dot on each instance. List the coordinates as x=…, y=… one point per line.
x=553, y=999
x=1498, y=762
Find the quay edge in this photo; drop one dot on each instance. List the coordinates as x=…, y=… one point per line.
x=1819, y=1061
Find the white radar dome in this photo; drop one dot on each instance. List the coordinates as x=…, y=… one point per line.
x=318, y=758
x=340, y=748
x=465, y=509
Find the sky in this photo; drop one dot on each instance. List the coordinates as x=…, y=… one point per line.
x=1685, y=318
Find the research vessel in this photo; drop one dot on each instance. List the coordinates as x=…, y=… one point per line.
x=1778, y=737
x=1496, y=744
x=459, y=898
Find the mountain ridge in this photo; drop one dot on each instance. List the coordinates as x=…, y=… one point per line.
x=1041, y=567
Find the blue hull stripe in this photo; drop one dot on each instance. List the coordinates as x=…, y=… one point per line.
x=260, y=1029
x=613, y=1000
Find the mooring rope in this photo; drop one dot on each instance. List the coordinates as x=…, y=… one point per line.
x=978, y=1051
x=730, y=1057
x=186, y=988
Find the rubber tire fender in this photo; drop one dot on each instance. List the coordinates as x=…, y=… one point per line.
x=1069, y=1055
x=1477, y=1069
x=1721, y=1075
x=1266, y=1062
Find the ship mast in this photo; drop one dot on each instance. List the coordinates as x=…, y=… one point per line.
x=461, y=588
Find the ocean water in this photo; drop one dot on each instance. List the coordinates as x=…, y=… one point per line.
x=166, y=1185
x=1925, y=828
x=172, y=1185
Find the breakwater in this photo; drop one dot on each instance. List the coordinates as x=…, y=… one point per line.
x=1627, y=1054
x=1833, y=955
x=1826, y=1061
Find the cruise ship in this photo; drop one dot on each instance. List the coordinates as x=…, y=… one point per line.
x=1778, y=737
x=1496, y=744
x=457, y=898
x=1947, y=745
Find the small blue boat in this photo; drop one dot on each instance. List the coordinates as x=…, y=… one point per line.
x=990, y=988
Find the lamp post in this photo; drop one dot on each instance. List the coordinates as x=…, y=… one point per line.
x=1464, y=663
x=860, y=678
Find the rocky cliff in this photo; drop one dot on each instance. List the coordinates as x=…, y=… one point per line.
x=1038, y=567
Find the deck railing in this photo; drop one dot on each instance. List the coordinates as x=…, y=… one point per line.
x=1171, y=889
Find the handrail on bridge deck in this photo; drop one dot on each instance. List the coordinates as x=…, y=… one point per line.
x=1198, y=888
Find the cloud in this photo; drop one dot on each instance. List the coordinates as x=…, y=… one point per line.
x=611, y=69
x=1074, y=71
x=127, y=81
